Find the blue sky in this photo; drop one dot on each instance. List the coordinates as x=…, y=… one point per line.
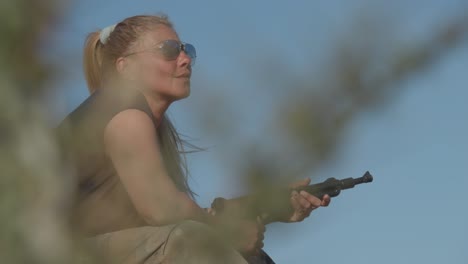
x=416, y=146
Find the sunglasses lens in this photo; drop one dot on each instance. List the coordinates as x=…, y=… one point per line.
x=170, y=49
x=190, y=50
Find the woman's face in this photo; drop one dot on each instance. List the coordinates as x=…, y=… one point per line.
x=168, y=78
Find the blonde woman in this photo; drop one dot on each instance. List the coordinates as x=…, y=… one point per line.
x=132, y=197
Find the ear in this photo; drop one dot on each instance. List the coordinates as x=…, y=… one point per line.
x=121, y=65
x=124, y=68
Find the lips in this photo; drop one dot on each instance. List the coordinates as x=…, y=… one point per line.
x=185, y=75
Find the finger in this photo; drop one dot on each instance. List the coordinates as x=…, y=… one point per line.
x=326, y=200
x=260, y=224
x=251, y=247
x=306, y=213
x=295, y=200
x=210, y=211
x=301, y=204
x=314, y=201
x=305, y=204
x=296, y=209
x=259, y=234
x=301, y=208
x=261, y=237
x=303, y=182
x=260, y=245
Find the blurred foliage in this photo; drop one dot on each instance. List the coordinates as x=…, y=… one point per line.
x=361, y=78
x=33, y=188
x=312, y=110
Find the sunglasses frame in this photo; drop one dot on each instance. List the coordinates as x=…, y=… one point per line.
x=181, y=46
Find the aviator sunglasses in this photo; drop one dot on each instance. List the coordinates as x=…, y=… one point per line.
x=171, y=49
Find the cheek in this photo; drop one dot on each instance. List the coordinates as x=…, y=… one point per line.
x=161, y=71
x=156, y=74
x=149, y=73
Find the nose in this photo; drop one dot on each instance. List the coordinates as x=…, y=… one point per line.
x=184, y=59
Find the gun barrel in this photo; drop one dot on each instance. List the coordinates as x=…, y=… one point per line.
x=350, y=182
x=364, y=179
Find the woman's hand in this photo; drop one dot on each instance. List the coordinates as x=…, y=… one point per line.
x=303, y=203
x=246, y=236
x=250, y=239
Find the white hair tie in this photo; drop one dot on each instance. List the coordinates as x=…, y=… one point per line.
x=105, y=33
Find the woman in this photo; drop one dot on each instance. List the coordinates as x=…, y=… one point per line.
x=132, y=195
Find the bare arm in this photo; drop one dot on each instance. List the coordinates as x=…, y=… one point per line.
x=132, y=145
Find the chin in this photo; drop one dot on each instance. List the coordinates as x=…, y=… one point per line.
x=184, y=91
x=187, y=88
x=187, y=93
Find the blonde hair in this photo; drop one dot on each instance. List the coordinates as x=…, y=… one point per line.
x=99, y=65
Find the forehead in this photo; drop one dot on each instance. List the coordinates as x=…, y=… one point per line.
x=157, y=35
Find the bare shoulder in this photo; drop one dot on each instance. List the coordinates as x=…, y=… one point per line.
x=130, y=126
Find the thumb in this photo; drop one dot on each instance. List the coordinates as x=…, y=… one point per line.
x=303, y=182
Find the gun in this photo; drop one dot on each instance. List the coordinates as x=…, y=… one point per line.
x=274, y=203
x=333, y=187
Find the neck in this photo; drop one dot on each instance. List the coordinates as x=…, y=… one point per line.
x=158, y=105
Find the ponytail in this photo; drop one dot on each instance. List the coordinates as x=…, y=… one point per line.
x=92, y=61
